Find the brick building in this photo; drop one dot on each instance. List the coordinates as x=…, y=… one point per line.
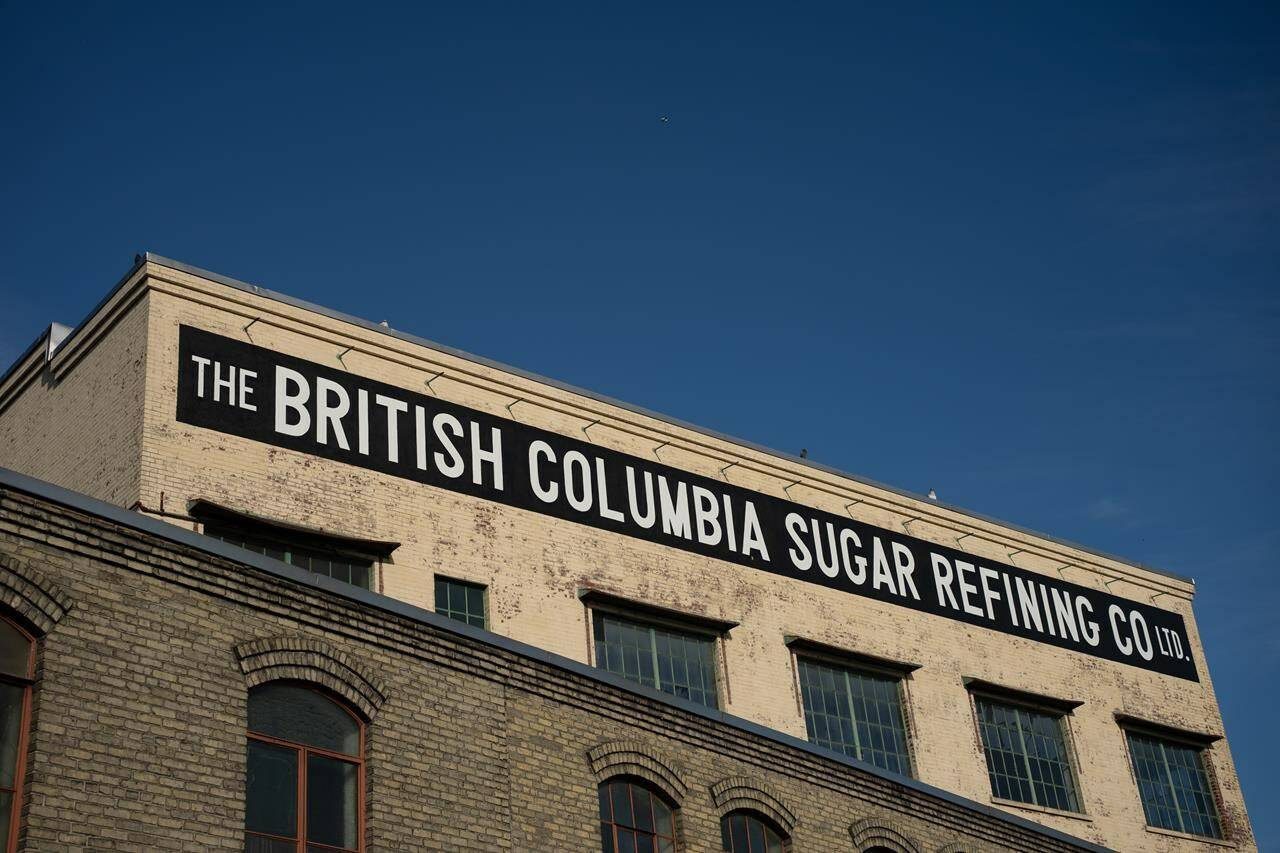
x=287, y=578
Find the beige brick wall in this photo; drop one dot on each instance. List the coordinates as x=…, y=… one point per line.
x=534, y=564
x=81, y=427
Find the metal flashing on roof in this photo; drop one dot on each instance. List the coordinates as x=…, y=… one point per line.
x=42, y=490
x=53, y=337
x=160, y=260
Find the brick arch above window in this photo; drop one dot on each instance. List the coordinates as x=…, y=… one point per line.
x=295, y=658
x=743, y=792
x=638, y=759
x=871, y=832
x=31, y=595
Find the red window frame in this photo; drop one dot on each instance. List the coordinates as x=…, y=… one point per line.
x=24, y=732
x=300, y=842
x=743, y=845
x=613, y=826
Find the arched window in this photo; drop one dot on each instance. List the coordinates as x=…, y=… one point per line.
x=305, y=784
x=17, y=670
x=748, y=832
x=635, y=819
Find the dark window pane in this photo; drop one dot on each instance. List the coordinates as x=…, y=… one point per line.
x=606, y=811
x=1026, y=752
x=672, y=661
x=271, y=790
x=257, y=844
x=606, y=838
x=360, y=576
x=622, y=804
x=855, y=712
x=11, y=701
x=301, y=715
x=664, y=820
x=1174, y=786
x=742, y=832
x=6, y=813
x=642, y=803
x=294, y=548
x=461, y=601
x=15, y=651
x=331, y=801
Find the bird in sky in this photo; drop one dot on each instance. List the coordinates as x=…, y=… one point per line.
x=664, y=119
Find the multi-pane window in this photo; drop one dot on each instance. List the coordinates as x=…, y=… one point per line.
x=17, y=668
x=460, y=600
x=678, y=662
x=855, y=712
x=747, y=832
x=304, y=787
x=302, y=551
x=1174, y=786
x=1027, y=756
x=635, y=819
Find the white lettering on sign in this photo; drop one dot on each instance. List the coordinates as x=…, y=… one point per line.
x=338, y=416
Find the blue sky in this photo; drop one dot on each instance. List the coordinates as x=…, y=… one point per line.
x=1028, y=257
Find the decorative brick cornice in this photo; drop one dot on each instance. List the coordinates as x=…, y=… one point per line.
x=298, y=658
x=961, y=847
x=635, y=758
x=28, y=593
x=882, y=832
x=743, y=792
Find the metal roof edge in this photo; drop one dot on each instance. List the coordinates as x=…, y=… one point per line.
x=138, y=261
x=46, y=491
x=639, y=410
x=26, y=354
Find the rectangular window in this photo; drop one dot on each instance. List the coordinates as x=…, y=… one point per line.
x=681, y=663
x=460, y=600
x=301, y=550
x=1174, y=786
x=855, y=712
x=1027, y=756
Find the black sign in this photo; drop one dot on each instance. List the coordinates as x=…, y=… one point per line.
x=246, y=390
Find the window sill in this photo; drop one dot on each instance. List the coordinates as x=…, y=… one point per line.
x=1032, y=807
x=1173, y=833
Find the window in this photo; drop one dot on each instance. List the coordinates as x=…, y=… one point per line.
x=17, y=669
x=305, y=782
x=681, y=663
x=856, y=712
x=635, y=819
x=1174, y=785
x=747, y=832
x=296, y=548
x=460, y=600
x=1027, y=756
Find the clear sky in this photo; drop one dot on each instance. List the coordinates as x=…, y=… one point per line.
x=1028, y=257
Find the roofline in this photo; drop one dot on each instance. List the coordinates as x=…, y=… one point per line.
x=46, y=491
x=160, y=260
x=26, y=354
